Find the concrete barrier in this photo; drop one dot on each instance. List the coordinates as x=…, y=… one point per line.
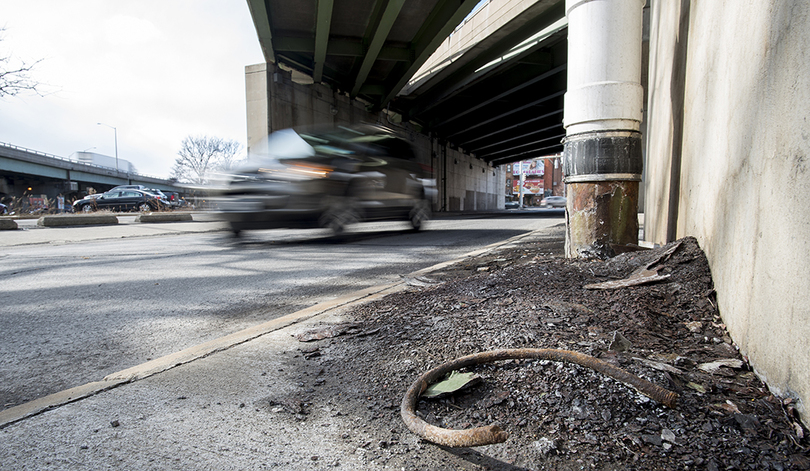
x=7, y=225
x=77, y=220
x=164, y=217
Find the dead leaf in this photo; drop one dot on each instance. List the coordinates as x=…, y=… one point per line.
x=454, y=382
x=696, y=387
x=728, y=406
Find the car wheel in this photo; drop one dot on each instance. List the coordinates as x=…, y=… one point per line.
x=87, y=208
x=144, y=207
x=338, y=216
x=419, y=214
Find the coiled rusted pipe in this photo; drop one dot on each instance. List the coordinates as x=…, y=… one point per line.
x=491, y=434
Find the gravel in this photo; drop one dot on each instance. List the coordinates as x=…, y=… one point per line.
x=558, y=416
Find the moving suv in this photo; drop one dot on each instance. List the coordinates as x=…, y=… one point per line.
x=328, y=178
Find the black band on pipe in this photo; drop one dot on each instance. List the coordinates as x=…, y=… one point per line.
x=601, y=153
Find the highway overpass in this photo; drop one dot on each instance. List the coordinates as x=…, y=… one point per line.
x=29, y=172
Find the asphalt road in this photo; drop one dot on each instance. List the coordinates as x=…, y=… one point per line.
x=71, y=313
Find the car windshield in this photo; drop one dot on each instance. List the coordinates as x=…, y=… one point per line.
x=364, y=140
x=326, y=143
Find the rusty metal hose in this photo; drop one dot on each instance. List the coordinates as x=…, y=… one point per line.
x=491, y=434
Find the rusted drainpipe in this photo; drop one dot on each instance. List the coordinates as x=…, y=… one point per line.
x=603, y=112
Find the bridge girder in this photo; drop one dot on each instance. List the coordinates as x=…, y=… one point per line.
x=500, y=99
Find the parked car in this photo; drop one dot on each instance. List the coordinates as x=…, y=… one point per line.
x=129, y=187
x=172, y=198
x=119, y=200
x=553, y=202
x=512, y=205
x=159, y=195
x=328, y=178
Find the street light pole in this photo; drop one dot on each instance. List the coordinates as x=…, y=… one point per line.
x=115, y=132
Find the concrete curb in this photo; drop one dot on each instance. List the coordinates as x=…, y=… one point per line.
x=77, y=220
x=164, y=217
x=159, y=365
x=7, y=225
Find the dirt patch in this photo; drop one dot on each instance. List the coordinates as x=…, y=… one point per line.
x=558, y=416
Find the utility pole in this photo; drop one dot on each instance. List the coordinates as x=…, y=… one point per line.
x=520, y=186
x=115, y=132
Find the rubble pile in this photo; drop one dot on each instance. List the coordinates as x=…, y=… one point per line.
x=666, y=330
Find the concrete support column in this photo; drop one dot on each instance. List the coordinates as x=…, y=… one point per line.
x=603, y=112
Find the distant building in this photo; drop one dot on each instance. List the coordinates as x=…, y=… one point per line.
x=541, y=177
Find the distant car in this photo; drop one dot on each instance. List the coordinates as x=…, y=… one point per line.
x=173, y=198
x=129, y=187
x=329, y=178
x=159, y=195
x=119, y=200
x=512, y=205
x=553, y=202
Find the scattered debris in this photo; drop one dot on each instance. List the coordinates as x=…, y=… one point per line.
x=639, y=277
x=545, y=445
x=715, y=367
x=559, y=415
x=619, y=343
x=419, y=281
x=642, y=275
x=695, y=327
x=327, y=332
x=658, y=365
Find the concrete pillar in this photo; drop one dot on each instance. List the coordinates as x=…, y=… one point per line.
x=603, y=111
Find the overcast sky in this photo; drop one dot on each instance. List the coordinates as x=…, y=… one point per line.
x=156, y=70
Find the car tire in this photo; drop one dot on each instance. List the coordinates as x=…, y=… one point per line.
x=87, y=208
x=144, y=207
x=419, y=214
x=339, y=215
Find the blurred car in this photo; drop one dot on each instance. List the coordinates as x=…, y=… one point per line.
x=553, y=202
x=119, y=200
x=512, y=205
x=328, y=178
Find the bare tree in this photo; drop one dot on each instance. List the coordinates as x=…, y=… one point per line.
x=199, y=155
x=15, y=75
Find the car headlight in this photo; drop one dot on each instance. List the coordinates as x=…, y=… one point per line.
x=297, y=172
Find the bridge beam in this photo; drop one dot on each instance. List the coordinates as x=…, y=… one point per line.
x=603, y=112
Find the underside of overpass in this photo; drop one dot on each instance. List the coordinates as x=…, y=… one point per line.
x=498, y=98
x=487, y=81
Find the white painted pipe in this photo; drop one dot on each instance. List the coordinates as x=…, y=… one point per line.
x=604, y=66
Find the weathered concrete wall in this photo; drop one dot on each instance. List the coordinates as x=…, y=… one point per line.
x=275, y=101
x=727, y=162
x=256, y=103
